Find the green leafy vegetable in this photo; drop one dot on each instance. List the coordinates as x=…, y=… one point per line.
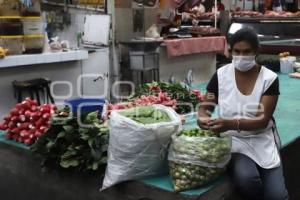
x=146, y=115
x=70, y=146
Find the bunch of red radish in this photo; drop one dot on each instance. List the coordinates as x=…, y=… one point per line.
x=27, y=121
x=161, y=98
x=198, y=94
x=145, y=100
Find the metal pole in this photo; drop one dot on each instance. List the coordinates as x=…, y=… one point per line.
x=113, y=63
x=216, y=9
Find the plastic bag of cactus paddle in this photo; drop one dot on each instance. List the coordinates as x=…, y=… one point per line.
x=197, y=157
x=138, y=147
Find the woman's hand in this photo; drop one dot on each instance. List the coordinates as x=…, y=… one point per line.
x=203, y=122
x=220, y=125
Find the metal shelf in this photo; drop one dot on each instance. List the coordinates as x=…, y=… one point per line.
x=35, y=59
x=81, y=7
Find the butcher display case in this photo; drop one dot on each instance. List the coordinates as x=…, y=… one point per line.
x=278, y=46
x=269, y=28
x=275, y=34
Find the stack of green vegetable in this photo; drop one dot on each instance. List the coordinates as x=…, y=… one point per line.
x=188, y=176
x=146, y=115
x=70, y=145
x=197, y=157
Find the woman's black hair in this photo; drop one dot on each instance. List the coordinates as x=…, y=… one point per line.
x=246, y=35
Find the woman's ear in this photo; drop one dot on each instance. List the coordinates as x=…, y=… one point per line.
x=256, y=57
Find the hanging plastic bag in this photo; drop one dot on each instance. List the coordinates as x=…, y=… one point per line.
x=137, y=150
x=286, y=64
x=197, y=157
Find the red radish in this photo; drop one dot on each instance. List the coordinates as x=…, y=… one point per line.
x=47, y=123
x=38, y=134
x=27, y=121
x=14, y=111
x=31, y=126
x=53, y=107
x=43, y=129
x=21, y=111
x=48, y=126
x=24, y=126
x=34, y=108
x=155, y=88
x=14, y=119
x=24, y=133
x=25, y=105
x=15, y=131
x=34, y=103
x=28, y=141
x=39, y=122
x=11, y=125
x=18, y=106
x=33, y=131
x=22, y=118
x=27, y=114
x=3, y=127
x=46, y=105
x=34, y=117
x=20, y=139
x=45, y=110
x=9, y=136
x=39, y=114
x=46, y=116
x=28, y=99
x=7, y=118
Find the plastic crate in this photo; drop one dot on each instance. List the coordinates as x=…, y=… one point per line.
x=14, y=44
x=85, y=105
x=33, y=44
x=33, y=25
x=10, y=8
x=11, y=25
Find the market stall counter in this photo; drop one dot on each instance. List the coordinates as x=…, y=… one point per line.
x=179, y=56
x=21, y=176
x=64, y=68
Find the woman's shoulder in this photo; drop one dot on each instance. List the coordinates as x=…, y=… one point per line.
x=268, y=78
x=268, y=74
x=225, y=68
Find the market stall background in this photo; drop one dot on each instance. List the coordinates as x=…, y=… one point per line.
x=286, y=116
x=203, y=65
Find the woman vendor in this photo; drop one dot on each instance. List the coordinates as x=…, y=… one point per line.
x=247, y=94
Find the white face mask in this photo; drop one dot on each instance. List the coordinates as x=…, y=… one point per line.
x=243, y=63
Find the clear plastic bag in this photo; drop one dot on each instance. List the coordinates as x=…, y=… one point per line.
x=136, y=150
x=204, y=151
x=196, y=161
x=188, y=176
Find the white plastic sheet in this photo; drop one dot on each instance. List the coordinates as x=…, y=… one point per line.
x=136, y=150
